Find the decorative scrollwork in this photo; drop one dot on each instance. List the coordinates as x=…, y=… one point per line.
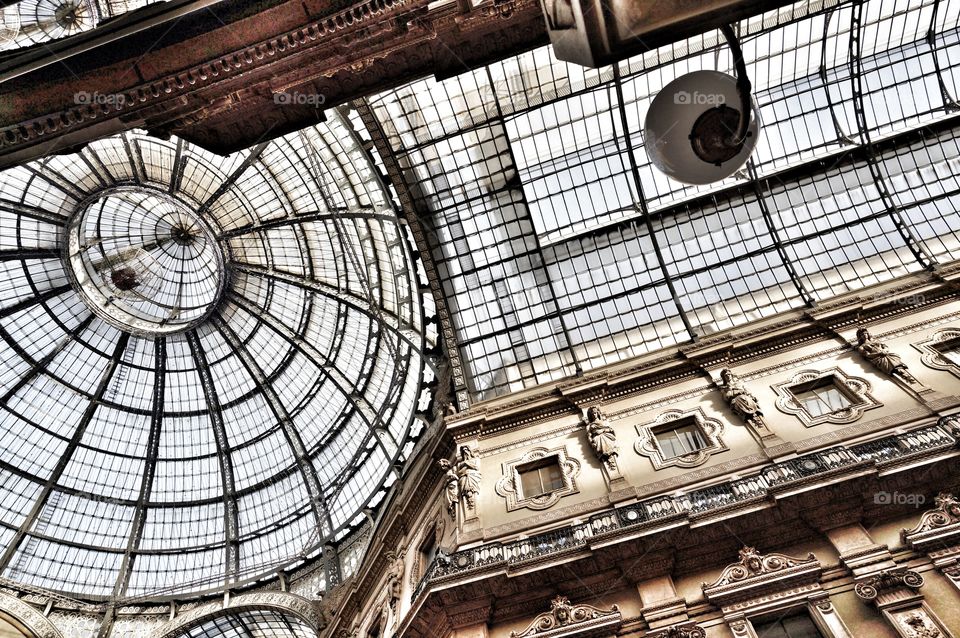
x=509, y=485
x=856, y=389
x=752, y=563
x=947, y=512
x=564, y=614
x=36, y=622
x=688, y=629
x=873, y=586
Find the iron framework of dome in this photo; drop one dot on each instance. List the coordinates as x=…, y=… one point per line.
x=209, y=366
x=561, y=249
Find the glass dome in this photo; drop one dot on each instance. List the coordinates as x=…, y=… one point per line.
x=209, y=366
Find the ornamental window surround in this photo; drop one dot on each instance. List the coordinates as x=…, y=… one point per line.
x=827, y=396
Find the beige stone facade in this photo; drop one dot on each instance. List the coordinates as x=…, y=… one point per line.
x=840, y=516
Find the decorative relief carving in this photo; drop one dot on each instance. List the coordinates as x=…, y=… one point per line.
x=856, y=389
x=468, y=475
x=509, y=485
x=752, y=564
x=871, y=587
x=394, y=577
x=683, y=630
x=760, y=579
x=451, y=490
x=877, y=353
x=565, y=618
x=602, y=437
x=38, y=624
x=932, y=350
x=946, y=513
x=648, y=445
x=917, y=622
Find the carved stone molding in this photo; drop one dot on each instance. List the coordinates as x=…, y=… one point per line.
x=683, y=630
x=566, y=619
x=917, y=622
x=35, y=622
x=648, y=445
x=757, y=576
x=931, y=350
x=873, y=587
x=856, y=389
x=509, y=485
x=309, y=611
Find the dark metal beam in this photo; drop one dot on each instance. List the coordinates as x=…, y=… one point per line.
x=370, y=415
x=146, y=485
x=298, y=450
x=225, y=458
x=395, y=325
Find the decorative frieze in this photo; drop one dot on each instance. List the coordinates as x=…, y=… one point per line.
x=938, y=534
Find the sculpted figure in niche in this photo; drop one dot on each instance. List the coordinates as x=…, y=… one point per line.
x=452, y=490
x=876, y=353
x=741, y=400
x=468, y=473
x=602, y=437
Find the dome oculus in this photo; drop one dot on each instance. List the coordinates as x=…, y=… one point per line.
x=144, y=261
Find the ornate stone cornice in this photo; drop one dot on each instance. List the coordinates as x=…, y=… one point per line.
x=567, y=619
x=756, y=575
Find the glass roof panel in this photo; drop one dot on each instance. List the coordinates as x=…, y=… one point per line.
x=29, y=22
x=243, y=438
x=560, y=248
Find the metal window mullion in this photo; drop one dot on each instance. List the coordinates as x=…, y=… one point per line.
x=251, y=157
x=642, y=203
x=568, y=342
x=920, y=253
x=146, y=485
x=308, y=473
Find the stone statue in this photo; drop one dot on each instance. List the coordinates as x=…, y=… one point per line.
x=602, y=437
x=741, y=400
x=452, y=488
x=468, y=473
x=876, y=353
x=394, y=577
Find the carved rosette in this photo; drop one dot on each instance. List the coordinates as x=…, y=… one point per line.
x=568, y=619
x=871, y=587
